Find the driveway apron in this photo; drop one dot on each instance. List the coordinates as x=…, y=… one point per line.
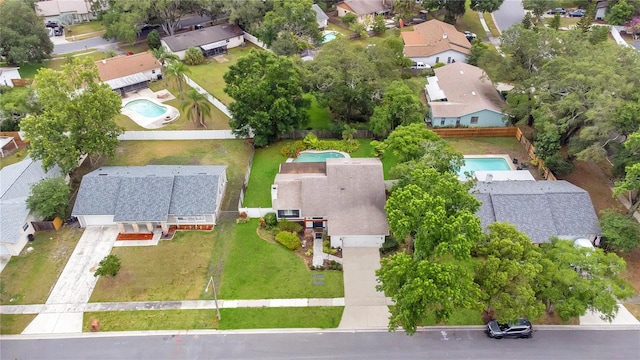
x=365, y=308
x=62, y=313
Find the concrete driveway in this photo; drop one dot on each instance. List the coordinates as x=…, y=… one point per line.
x=365, y=308
x=62, y=313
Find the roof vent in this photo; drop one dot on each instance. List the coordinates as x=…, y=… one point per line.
x=444, y=35
x=489, y=178
x=461, y=72
x=473, y=93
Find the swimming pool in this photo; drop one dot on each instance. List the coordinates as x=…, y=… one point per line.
x=146, y=108
x=328, y=36
x=485, y=163
x=320, y=156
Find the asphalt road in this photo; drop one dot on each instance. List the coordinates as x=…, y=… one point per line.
x=511, y=12
x=433, y=344
x=96, y=42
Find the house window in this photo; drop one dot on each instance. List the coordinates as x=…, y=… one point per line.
x=437, y=59
x=458, y=121
x=474, y=120
x=25, y=227
x=319, y=235
x=153, y=71
x=442, y=121
x=288, y=213
x=449, y=60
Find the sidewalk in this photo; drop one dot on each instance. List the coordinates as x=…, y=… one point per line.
x=493, y=40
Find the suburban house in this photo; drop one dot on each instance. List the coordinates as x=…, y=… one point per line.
x=51, y=10
x=342, y=198
x=129, y=73
x=462, y=94
x=212, y=40
x=140, y=199
x=540, y=209
x=601, y=10
x=435, y=41
x=365, y=10
x=321, y=17
x=7, y=74
x=15, y=218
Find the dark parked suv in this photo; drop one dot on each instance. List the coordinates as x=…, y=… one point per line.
x=520, y=329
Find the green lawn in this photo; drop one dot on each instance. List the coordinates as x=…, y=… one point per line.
x=485, y=145
x=234, y=153
x=13, y=158
x=265, y=166
x=85, y=28
x=241, y=318
x=255, y=269
x=216, y=121
x=28, y=71
x=29, y=277
x=340, y=29
x=388, y=161
x=492, y=26
x=470, y=21
x=11, y=324
x=210, y=75
x=565, y=21
x=319, y=117
x=172, y=270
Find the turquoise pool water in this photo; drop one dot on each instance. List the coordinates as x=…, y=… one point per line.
x=146, y=108
x=318, y=157
x=328, y=36
x=472, y=165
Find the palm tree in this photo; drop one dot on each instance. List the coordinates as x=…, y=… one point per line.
x=163, y=56
x=197, y=107
x=178, y=70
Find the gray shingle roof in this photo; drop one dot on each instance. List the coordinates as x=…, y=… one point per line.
x=320, y=15
x=149, y=193
x=541, y=209
x=15, y=187
x=201, y=37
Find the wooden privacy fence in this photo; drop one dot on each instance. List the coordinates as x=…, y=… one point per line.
x=528, y=146
x=476, y=132
x=54, y=224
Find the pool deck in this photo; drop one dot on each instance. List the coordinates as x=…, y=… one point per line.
x=156, y=97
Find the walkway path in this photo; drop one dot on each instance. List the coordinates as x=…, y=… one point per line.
x=62, y=312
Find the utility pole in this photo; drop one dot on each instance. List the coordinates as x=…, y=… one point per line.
x=215, y=296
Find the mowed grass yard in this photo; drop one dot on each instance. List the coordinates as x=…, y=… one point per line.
x=29, y=277
x=12, y=324
x=231, y=319
x=210, y=75
x=266, y=163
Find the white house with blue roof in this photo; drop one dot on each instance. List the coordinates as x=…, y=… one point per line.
x=140, y=199
x=15, y=219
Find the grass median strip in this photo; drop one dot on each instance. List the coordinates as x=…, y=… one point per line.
x=241, y=318
x=11, y=324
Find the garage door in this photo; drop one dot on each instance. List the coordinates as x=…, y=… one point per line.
x=92, y=220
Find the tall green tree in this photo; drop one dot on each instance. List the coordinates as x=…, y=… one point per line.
x=621, y=232
x=153, y=40
x=248, y=14
x=23, y=38
x=574, y=280
x=420, y=288
x=488, y=6
x=439, y=155
x=407, y=141
x=293, y=17
x=177, y=70
x=163, y=56
x=619, y=13
x=507, y=273
x=268, y=97
x=539, y=7
x=49, y=198
x=405, y=8
x=18, y=102
x=197, y=107
x=436, y=212
x=399, y=106
x=78, y=116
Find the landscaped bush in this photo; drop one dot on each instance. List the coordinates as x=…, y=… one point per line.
x=109, y=266
x=291, y=150
x=378, y=148
x=312, y=142
x=290, y=226
x=349, y=18
x=270, y=220
x=326, y=247
x=289, y=239
x=559, y=165
x=390, y=244
x=438, y=64
x=194, y=56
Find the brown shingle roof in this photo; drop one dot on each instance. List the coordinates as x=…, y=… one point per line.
x=467, y=88
x=351, y=195
x=121, y=66
x=433, y=37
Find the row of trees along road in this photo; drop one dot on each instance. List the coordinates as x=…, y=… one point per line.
x=451, y=265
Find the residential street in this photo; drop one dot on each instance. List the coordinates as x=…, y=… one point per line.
x=443, y=343
x=62, y=46
x=511, y=12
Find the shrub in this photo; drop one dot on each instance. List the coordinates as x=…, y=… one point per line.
x=290, y=226
x=109, y=266
x=326, y=247
x=49, y=198
x=242, y=220
x=390, y=244
x=291, y=150
x=559, y=165
x=270, y=220
x=437, y=65
x=193, y=56
x=621, y=232
x=10, y=125
x=309, y=252
x=263, y=224
x=289, y=239
x=378, y=148
x=349, y=18
x=153, y=39
x=334, y=265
